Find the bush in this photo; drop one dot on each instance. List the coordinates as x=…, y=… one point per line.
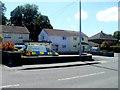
x=106, y=45
x=115, y=49
x=8, y=46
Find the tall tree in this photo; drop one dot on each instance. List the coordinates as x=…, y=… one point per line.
x=2, y=13
x=117, y=35
x=16, y=16
x=28, y=15
x=41, y=22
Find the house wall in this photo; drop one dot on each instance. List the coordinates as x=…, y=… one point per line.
x=74, y=43
x=86, y=47
x=43, y=36
x=63, y=45
x=16, y=38
x=85, y=39
x=58, y=41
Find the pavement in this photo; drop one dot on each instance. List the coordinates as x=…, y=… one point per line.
x=53, y=65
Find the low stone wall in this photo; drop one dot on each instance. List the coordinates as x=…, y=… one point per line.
x=14, y=59
x=108, y=54
x=11, y=58
x=54, y=59
x=68, y=52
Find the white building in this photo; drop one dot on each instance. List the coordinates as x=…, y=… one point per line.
x=16, y=34
x=63, y=40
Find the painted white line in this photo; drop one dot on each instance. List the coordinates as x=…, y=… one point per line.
x=103, y=61
x=7, y=86
x=81, y=76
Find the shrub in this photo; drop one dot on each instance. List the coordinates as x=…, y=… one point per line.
x=106, y=44
x=115, y=49
x=8, y=46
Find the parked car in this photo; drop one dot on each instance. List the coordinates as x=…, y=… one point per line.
x=19, y=46
x=95, y=50
x=33, y=50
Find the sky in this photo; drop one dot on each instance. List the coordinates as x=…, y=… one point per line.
x=96, y=15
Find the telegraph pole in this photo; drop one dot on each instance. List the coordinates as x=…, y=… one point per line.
x=80, y=48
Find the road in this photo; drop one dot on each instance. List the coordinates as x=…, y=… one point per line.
x=104, y=75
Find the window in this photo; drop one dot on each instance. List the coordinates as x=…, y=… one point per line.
x=20, y=36
x=43, y=37
x=74, y=38
x=74, y=46
x=64, y=38
x=63, y=46
x=82, y=38
x=7, y=36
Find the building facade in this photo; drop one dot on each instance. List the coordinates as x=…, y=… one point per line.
x=16, y=34
x=63, y=40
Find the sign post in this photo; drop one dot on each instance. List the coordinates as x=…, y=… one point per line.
x=80, y=28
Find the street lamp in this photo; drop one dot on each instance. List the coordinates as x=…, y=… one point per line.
x=80, y=28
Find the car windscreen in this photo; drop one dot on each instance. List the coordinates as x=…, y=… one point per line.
x=23, y=47
x=36, y=48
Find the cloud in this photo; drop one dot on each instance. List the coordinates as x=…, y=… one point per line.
x=110, y=14
x=84, y=15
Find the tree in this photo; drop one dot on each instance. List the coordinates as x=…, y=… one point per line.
x=117, y=35
x=2, y=13
x=41, y=22
x=16, y=16
x=28, y=15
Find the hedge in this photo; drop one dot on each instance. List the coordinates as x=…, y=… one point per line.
x=115, y=49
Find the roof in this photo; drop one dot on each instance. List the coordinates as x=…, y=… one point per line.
x=56, y=32
x=93, y=43
x=102, y=36
x=14, y=29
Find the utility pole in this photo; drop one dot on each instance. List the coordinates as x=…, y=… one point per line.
x=80, y=28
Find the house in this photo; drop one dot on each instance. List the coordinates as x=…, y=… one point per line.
x=16, y=34
x=63, y=40
x=98, y=38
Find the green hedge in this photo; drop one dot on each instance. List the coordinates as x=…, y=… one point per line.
x=115, y=49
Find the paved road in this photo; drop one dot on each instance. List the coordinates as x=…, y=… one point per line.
x=103, y=75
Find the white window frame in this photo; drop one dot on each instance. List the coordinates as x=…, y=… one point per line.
x=74, y=46
x=64, y=46
x=20, y=36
